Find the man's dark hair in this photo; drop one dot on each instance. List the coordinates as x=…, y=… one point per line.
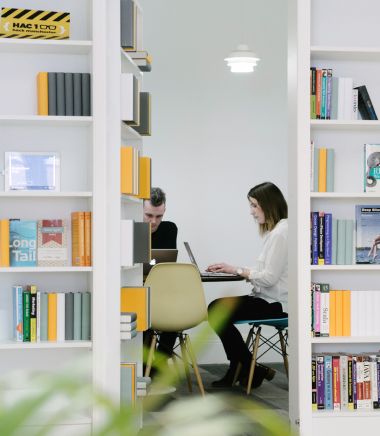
x=157, y=197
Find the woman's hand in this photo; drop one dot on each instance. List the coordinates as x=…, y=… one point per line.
x=222, y=267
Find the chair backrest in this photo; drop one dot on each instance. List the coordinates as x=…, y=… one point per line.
x=177, y=297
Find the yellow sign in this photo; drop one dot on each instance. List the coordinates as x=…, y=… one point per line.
x=34, y=24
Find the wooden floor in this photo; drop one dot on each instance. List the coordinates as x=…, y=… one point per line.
x=270, y=396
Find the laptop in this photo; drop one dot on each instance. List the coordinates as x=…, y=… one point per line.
x=206, y=273
x=160, y=255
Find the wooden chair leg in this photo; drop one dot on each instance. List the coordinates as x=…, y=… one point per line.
x=284, y=354
x=150, y=355
x=253, y=361
x=195, y=366
x=185, y=362
x=248, y=343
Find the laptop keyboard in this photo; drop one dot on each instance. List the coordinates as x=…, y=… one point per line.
x=216, y=274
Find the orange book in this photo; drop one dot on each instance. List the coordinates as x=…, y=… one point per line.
x=42, y=94
x=126, y=170
x=4, y=243
x=87, y=238
x=145, y=178
x=77, y=239
x=137, y=300
x=332, y=313
x=322, y=168
x=52, y=316
x=346, y=311
x=339, y=313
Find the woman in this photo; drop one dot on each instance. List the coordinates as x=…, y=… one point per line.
x=269, y=279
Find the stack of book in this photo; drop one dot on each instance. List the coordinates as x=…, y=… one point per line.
x=50, y=316
x=128, y=325
x=322, y=169
x=64, y=94
x=342, y=382
x=143, y=384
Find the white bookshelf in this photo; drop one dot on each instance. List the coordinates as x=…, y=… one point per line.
x=45, y=47
x=39, y=120
x=327, y=34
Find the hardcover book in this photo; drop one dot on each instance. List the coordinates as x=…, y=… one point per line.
x=23, y=243
x=371, y=167
x=52, y=243
x=367, y=234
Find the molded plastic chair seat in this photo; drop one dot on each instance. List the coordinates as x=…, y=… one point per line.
x=255, y=340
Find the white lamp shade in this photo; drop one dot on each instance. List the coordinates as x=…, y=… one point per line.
x=242, y=60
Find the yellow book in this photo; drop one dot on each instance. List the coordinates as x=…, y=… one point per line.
x=339, y=313
x=42, y=94
x=126, y=170
x=137, y=300
x=77, y=239
x=332, y=309
x=33, y=312
x=4, y=243
x=322, y=169
x=52, y=316
x=346, y=311
x=87, y=238
x=145, y=178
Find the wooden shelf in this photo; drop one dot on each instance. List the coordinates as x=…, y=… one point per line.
x=18, y=46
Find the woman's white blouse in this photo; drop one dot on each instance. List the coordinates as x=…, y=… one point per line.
x=270, y=275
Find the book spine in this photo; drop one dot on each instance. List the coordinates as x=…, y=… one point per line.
x=61, y=110
x=17, y=313
x=127, y=25
x=318, y=93
x=317, y=309
x=365, y=100
x=4, y=243
x=332, y=314
x=312, y=148
x=128, y=316
x=325, y=310
x=328, y=383
x=334, y=244
x=77, y=316
x=349, y=257
x=314, y=382
x=38, y=316
x=86, y=94
x=42, y=94
x=328, y=239
x=128, y=384
x=321, y=238
x=52, y=316
x=350, y=383
x=77, y=239
x=26, y=316
x=343, y=382
x=323, y=94
x=44, y=316
x=33, y=312
x=320, y=383
x=86, y=316
x=374, y=393
x=354, y=382
x=341, y=246
x=328, y=94
x=330, y=163
x=316, y=169
x=355, y=104
x=312, y=93
x=322, y=170
x=60, y=316
x=339, y=313
x=77, y=91
x=336, y=382
x=69, y=316
x=87, y=238
x=69, y=94
x=52, y=93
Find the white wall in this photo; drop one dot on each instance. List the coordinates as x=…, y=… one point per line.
x=216, y=134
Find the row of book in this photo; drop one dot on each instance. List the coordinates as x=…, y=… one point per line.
x=25, y=243
x=132, y=386
x=50, y=316
x=136, y=300
x=322, y=169
x=135, y=173
x=135, y=242
x=332, y=240
x=342, y=382
x=128, y=325
x=336, y=98
x=135, y=105
x=343, y=312
x=63, y=94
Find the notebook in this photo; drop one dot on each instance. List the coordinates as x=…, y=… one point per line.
x=160, y=255
x=205, y=273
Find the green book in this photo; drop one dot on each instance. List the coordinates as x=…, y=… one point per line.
x=86, y=316
x=44, y=317
x=341, y=249
x=330, y=170
x=316, y=168
x=69, y=316
x=144, y=128
x=26, y=297
x=349, y=241
x=77, y=316
x=334, y=241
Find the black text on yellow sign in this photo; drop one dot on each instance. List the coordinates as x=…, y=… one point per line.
x=34, y=24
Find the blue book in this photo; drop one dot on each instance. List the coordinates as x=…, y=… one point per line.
x=323, y=94
x=314, y=236
x=328, y=239
x=367, y=234
x=328, y=383
x=17, y=313
x=320, y=382
x=23, y=243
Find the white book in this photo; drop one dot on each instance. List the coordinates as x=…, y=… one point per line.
x=312, y=166
x=355, y=104
x=128, y=326
x=130, y=98
x=17, y=313
x=341, y=98
x=343, y=363
x=126, y=246
x=354, y=313
x=60, y=316
x=374, y=389
x=324, y=312
x=348, y=87
x=128, y=335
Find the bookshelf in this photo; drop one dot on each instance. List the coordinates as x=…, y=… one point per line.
x=337, y=35
x=89, y=148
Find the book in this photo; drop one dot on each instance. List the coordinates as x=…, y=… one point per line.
x=52, y=93
x=26, y=315
x=141, y=242
x=23, y=243
x=42, y=93
x=322, y=170
x=126, y=238
x=77, y=239
x=87, y=238
x=371, y=167
x=128, y=24
x=128, y=326
x=144, y=127
x=61, y=108
x=339, y=313
x=145, y=177
x=366, y=109
x=52, y=317
x=52, y=243
x=33, y=312
x=31, y=23
x=77, y=316
x=86, y=94
x=60, y=316
x=137, y=300
x=330, y=163
x=44, y=314
x=32, y=171
x=86, y=316
x=69, y=94
x=130, y=99
x=4, y=243
x=341, y=245
x=367, y=234
x=69, y=316
x=129, y=170
x=128, y=316
x=17, y=313
x=128, y=373
x=128, y=335
x=77, y=90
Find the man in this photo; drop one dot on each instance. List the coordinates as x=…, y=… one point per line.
x=164, y=235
